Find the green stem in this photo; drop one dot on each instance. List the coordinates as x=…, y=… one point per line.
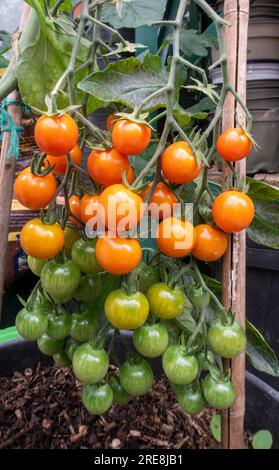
x=220, y=307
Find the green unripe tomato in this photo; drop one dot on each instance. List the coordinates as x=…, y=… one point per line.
x=31, y=324
x=50, y=346
x=59, y=324
x=219, y=394
x=179, y=367
x=90, y=365
x=97, y=399
x=151, y=340
x=165, y=302
x=226, y=340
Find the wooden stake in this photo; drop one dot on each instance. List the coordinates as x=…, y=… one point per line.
x=7, y=172
x=234, y=264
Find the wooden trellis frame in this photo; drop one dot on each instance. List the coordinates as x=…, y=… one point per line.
x=234, y=265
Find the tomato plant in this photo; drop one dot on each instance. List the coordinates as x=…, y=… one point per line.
x=95, y=244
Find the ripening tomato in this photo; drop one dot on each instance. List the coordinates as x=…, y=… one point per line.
x=36, y=265
x=179, y=164
x=122, y=208
x=176, y=237
x=233, y=211
x=210, y=244
x=60, y=162
x=74, y=203
x=88, y=207
x=110, y=121
x=130, y=138
x=42, y=241
x=106, y=166
x=118, y=255
x=126, y=311
x=56, y=135
x=165, y=302
x=34, y=192
x=233, y=145
x=161, y=202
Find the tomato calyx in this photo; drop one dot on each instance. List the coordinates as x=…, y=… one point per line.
x=235, y=182
x=218, y=374
x=133, y=117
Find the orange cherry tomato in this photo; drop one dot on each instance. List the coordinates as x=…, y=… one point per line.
x=161, y=202
x=233, y=211
x=179, y=164
x=56, y=135
x=130, y=138
x=106, y=166
x=34, y=192
x=119, y=203
x=210, y=244
x=175, y=237
x=61, y=162
x=89, y=207
x=74, y=203
x=233, y=145
x=118, y=255
x=42, y=241
x=111, y=119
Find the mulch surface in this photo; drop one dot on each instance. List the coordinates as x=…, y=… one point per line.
x=42, y=409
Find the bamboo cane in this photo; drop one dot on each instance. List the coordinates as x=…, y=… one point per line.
x=234, y=265
x=7, y=172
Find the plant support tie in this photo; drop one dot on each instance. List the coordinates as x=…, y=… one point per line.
x=7, y=125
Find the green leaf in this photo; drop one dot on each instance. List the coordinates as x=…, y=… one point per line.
x=134, y=13
x=192, y=43
x=262, y=440
x=205, y=104
x=5, y=42
x=259, y=353
x=186, y=320
x=264, y=228
x=208, y=90
x=215, y=427
x=42, y=62
x=127, y=81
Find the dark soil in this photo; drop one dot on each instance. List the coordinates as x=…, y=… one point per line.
x=42, y=409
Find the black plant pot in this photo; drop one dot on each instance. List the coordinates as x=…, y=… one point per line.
x=262, y=401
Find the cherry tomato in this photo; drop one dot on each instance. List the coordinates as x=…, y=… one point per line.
x=60, y=162
x=118, y=255
x=191, y=399
x=61, y=359
x=126, y=311
x=50, y=346
x=60, y=280
x=136, y=377
x=36, y=265
x=70, y=347
x=145, y=275
x=165, y=302
x=56, y=135
x=130, y=138
x=42, y=241
x=180, y=367
x=89, y=288
x=151, y=340
x=59, y=324
x=106, y=166
x=233, y=211
x=161, y=202
x=34, y=192
x=84, y=324
x=226, y=340
x=31, y=324
x=90, y=365
x=219, y=394
x=233, y=145
x=71, y=235
x=119, y=395
x=122, y=208
x=74, y=203
x=97, y=399
x=85, y=256
x=175, y=237
x=89, y=207
x=210, y=244
x=179, y=164
x=111, y=119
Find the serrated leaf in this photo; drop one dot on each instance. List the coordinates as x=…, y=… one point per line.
x=262, y=440
x=208, y=90
x=186, y=320
x=192, y=43
x=134, y=13
x=215, y=427
x=127, y=81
